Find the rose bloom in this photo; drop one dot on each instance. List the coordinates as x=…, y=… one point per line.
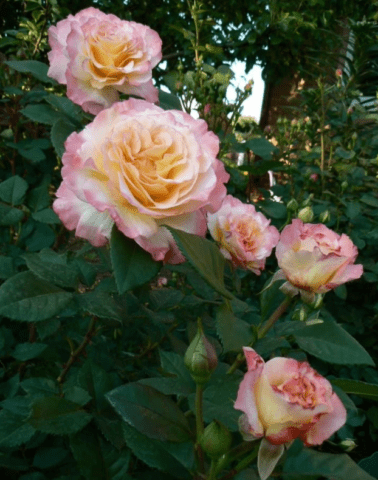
x=141, y=167
x=244, y=235
x=314, y=259
x=284, y=399
x=98, y=55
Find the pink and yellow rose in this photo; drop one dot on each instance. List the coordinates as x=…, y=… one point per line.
x=141, y=167
x=244, y=235
x=314, y=259
x=284, y=399
x=98, y=55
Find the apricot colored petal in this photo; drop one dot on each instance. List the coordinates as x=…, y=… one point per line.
x=328, y=423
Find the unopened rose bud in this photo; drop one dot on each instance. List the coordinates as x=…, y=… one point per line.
x=248, y=86
x=216, y=439
x=292, y=205
x=207, y=109
x=348, y=444
x=306, y=215
x=325, y=217
x=339, y=72
x=200, y=358
x=344, y=185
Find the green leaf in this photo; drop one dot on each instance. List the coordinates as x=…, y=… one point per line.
x=39, y=387
x=152, y=452
x=97, y=459
x=273, y=209
x=58, y=416
x=13, y=190
x=331, y=343
x=11, y=462
x=173, y=363
x=47, y=457
x=27, y=298
x=355, y=387
x=60, y=131
x=168, y=101
x=150, y=412
x=311, y=462
x=181, y=384
x=218, y=401
x=35, y=68
x=110, y=426
x=101, y=304
x=204, y=257
x=7, y=269
x=41, y=113
x=26, y=351
x=261, y=147
x=9, y=215
x=132, y=265
x=47, y=215
x=52, y=267
x=76, y=395
x=96, y=381
x=165, y=298
x=369, y=199
x=345, y=154
x=13, y=430
x=233, y=332
x=270, y=298
x=19, y=405
x=370, y=464
x=168, y=385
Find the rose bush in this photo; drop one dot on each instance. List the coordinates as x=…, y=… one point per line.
x=284, y=399
x=98, y=55
x=244, y=235
x=141, y=167
x=314, y=259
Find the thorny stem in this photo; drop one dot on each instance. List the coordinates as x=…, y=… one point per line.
x=263, y=331
x=76, y=353
x=43, y=29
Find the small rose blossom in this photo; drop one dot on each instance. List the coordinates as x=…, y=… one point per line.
x=314, y=177
x=141, y=167
x=339, y=72
x=98, y=55
x=244, y=235
x=207, y=109
x=282, y=400
x=314, y=259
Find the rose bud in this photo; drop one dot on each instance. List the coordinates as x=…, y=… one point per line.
x=216, y=439
x=200, y=358
x=282, y=400
x=306, y=214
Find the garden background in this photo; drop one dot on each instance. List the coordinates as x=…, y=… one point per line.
x=93, y=339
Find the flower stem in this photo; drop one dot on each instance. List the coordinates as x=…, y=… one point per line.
x=199, y=426
x=75, y=354
x=274, y=317
x=213, y=470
